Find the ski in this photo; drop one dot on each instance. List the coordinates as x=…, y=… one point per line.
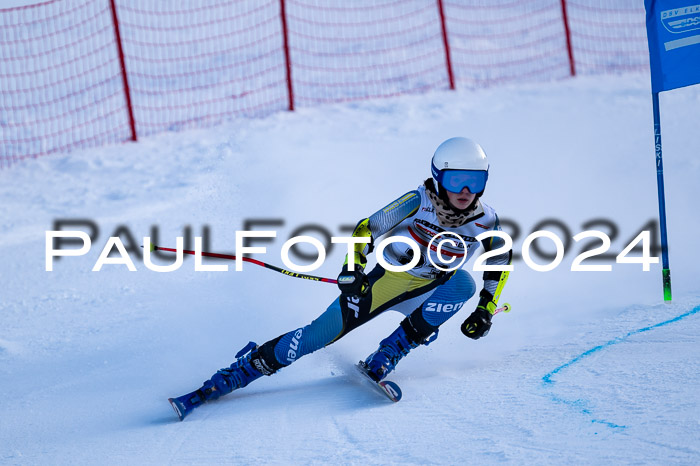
x=385, y=387
x=185, y=404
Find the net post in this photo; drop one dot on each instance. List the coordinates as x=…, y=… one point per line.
x=125, y=79
x=446, y=43
x=288, y=63
x=567, y=31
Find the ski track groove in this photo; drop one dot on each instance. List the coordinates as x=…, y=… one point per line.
x=183, y=436
x=359, y=452
x=673, y=448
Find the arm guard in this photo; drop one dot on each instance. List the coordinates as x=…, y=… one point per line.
x=381, y=222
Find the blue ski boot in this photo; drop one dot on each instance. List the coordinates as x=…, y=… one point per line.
x=248, y=367
x=391, y=350
x=237, y=375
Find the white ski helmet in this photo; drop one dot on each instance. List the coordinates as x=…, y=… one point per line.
x=459, y=163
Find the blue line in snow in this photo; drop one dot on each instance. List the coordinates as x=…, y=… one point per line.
x=580, y=404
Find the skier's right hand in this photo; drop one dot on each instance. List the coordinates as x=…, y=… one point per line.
x=353, y=283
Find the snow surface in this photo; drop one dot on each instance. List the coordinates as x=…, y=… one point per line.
x=589, y=367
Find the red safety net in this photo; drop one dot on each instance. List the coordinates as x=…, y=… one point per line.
x=196, y=63
x=364, y=49
x=498, y=41
x=60, y=80
x=608, y=37
x=193, y=64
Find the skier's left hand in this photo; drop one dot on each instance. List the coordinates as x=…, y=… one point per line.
x=478, y=324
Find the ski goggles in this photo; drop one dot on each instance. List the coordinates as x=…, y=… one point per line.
x=456, y=180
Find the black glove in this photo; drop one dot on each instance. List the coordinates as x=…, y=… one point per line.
x=353, y=283
x=478, y=323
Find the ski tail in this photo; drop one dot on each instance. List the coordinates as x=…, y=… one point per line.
x=179, y=408
x=185, y=404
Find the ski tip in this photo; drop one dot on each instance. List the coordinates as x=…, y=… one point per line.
x=392, y=390
x=178, y=407
x=388, y=388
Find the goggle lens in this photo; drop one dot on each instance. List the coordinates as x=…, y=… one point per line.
x=456, y=180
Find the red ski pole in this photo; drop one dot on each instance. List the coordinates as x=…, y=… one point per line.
x=505, y=308
x=254, y=261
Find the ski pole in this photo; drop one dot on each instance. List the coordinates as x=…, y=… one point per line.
x=505, y=308
x=254, y=261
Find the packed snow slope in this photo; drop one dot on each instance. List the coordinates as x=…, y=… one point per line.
x=589, y=367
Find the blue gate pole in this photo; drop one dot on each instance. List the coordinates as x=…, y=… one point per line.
x=666, y=272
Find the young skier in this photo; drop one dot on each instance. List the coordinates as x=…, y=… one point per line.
x=449, y=204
